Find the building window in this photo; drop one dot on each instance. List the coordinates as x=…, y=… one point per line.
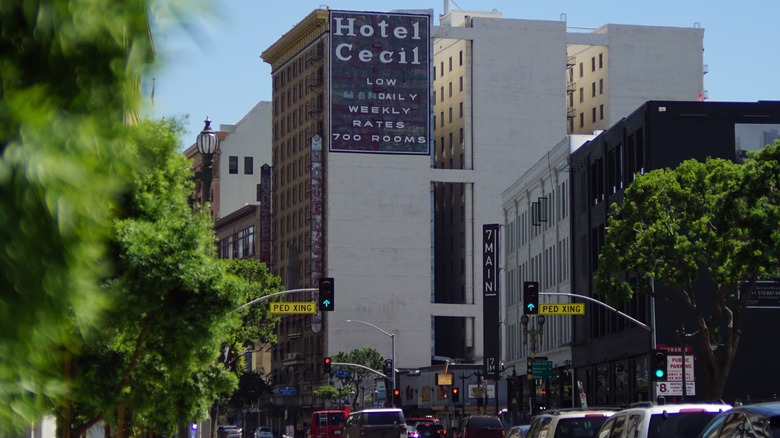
x=434, y=72
x=593, y=89
x=601, y=112
x=593, y=113
x=460, y=110
x=601, y=86
x=233, y=165
x=450, y=114
x=593, y=64
x=582, y=120
x=582, y=94
x=248, y=168
x=601, y=60
x=460, y=57
x=461, y=83
x=581, y=72
x=450, y=63
x=450, y=87
x=442, y=119
x=442, y=94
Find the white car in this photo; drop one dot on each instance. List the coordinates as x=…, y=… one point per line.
x=569, y=423
x=661, y=421
x=263, y=432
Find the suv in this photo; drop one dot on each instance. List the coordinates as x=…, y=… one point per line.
x=660, y=421
x=569, y=423
x=376, y=423
x=429, y=429
x=758, y=420
x=480, y=426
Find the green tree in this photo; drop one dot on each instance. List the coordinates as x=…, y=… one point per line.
x=151, y=362
x=367, y=357
x=711, y=223
x=257, y=328
x=69, y=80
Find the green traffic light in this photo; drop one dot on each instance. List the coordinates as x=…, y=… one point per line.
x=659, y=373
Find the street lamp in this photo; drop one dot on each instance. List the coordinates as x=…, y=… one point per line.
x=208, y=145
x=392, y=343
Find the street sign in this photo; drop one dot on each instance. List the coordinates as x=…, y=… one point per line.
x=562, y=309
x=766, y=295
x=287, y=390
x=341, y=373
x=542, y=369
x=293, y=308
x=675, y=388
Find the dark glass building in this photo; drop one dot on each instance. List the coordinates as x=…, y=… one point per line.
x=611, y=353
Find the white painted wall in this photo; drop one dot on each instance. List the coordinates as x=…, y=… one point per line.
x=250, y=136
x=378, y=241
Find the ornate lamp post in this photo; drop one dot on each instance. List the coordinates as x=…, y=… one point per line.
x=208, y=145
x=533, y=333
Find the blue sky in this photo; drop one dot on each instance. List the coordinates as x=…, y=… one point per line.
x=214, y=69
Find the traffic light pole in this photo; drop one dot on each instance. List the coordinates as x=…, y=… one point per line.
x=593, y=300
x=275, y=294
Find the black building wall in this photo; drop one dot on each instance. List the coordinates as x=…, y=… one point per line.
x=609, y=354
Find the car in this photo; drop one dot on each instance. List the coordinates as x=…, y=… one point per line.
x=518, y=431
x=327, y=423
x=376, y=423
x=263, y=432
x=229, y=431
x=569, y=423
x=428, y=429
x=480, y=426
x=411, y=431
x=760, y=420
x=648, y=420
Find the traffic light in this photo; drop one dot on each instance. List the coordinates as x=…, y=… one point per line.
x=326, y=365
x=530, y=298
x=396, y=397
x=455, y=394
x=659, y=364
x=326, y=294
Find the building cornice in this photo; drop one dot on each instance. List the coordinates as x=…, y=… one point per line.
x=309, y=29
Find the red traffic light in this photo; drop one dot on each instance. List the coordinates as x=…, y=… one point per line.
x=397, y=392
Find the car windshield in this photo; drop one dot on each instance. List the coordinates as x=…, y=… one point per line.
x=382, y=418
x=682, y=424
x=332, y=419
x=579, y=427
x=484, y=423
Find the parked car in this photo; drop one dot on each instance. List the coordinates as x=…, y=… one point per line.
x=229, y=431
x=569, y=423
x=411, y=431
x=661, y=421
x=376, y=423
x=761, y=420
x=480, y=426
x=518, y=431
x=263, y=432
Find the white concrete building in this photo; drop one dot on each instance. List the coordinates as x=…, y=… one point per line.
x=401, y=234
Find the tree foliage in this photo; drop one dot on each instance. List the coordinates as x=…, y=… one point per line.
x=711, y=223
x=69, y=79
x=151, y=363
x=367, y=357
